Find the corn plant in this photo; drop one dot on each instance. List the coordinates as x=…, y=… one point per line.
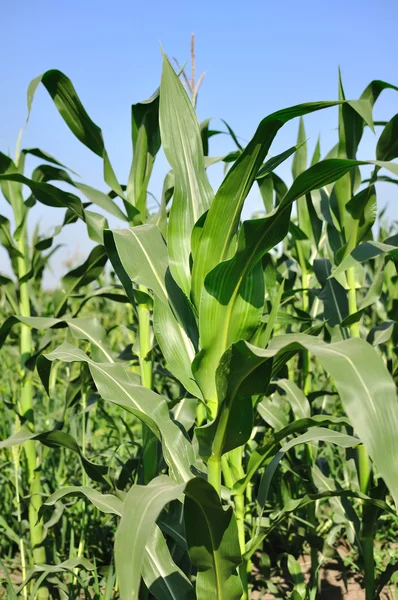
x=233, y=348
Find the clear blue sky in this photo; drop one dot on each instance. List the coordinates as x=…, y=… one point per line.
x=258, y=56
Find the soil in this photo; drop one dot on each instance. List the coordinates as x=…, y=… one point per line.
x=333, y=585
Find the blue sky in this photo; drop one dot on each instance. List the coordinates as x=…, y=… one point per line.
x=258, y=57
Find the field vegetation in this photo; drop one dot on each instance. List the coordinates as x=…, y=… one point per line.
x=203, y=403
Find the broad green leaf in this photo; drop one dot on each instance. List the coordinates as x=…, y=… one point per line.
x=69, y=106
x=380, y=334
x=182, y=145
x=50, y=195
x=174, y=323
x=11, y=187
x=115, y=385
x=146, y=144
x=185, y=412
x=59, y=439
x=143, y=254
x=225, y=286
x=387, y=145
x=298, y=401
x=162, y=577
x=176, y=346
x=216, y=242
x=213, y=543
x=120, y=271
x=103, y=201
x=38, y=153
x=273, y=412
x=332, y=294
x=363, y=209
x=265, y=177
x=82, y=328
x=374, y=89
x=160, y=573
x=313, y=434
x=141, y=508
x=365, y=252
x=359, y=374
x=106, y=503
x=342, y=508
x=79, y=277
x=45, y=173
x=240, y=375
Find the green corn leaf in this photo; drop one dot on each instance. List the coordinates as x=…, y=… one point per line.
x=213, y=544
x=58, y=439
x=106, y=503
x=84, y=328
x=50, y=195
x=120, y=271
x=11, y=187
x=240, y=375
x=182, y=144
x=146, y=143
x=150, y=263
x=104, y=201
x=141, y=508
x=79, y=277
x=164, y=580
x=176, y=345
x=365, y=252
x=69, y=106
x=159, y=571
x=333, y=295
x=45, y=173
x=374, y=89
x=216, y=242
x=387, y=146
x=174, y=324
x=115, y=385
x=229, y=286
x=358, y=373
x=263, y=453
x=313, y=434
x=316, y=157
x=381, y=334
x=298, y=401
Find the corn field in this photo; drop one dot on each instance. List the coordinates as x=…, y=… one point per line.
x=203, y=401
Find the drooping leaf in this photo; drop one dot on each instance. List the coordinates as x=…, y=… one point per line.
x=115, y=385
x=174, y=323
x=141, y=508
x=69, y=106
x=163, y=578
x=59, y=439
x=313, y=434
